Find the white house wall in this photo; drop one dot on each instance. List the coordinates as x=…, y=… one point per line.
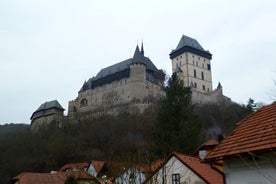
x=131, y=176
x=174, y=166
x=247, y=171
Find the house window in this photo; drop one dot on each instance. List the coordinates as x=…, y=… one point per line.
x=175, y=178
x=202, y=75
x=164, y=176
x=203, y=87
x=195, y=73
x=208, y=66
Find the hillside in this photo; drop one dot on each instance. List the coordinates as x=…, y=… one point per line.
x=124, y=137
x=10, y=129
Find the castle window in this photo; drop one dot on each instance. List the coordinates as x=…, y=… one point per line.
x=195, y=85
x=203, y=87
x=208, y=66
x=202, y=65
x=202, y=75
x=193, y=62
x=196, y=63
x=180, y=57
x=83, y=102
x=195, y=73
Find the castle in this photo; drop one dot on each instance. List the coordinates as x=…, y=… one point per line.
x=135, y=83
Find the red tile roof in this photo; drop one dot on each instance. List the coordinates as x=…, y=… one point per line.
x=79, y=166
x=208, y=145
x=256, y=132
x=98, y=165
x=202, y=169
x=53, y=178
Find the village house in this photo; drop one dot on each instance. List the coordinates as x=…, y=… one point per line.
x=53, y=178
x=180, y=168
x=248, y=153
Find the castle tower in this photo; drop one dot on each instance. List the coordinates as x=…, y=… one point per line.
x=192, y=64
x=137, y=66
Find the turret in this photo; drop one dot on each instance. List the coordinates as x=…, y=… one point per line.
x=137, y=65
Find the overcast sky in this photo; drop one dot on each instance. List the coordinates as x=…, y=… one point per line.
x=48, y=48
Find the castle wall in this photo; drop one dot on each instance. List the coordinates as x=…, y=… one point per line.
x=135, y=89
x=45, y=120
x=215, y=97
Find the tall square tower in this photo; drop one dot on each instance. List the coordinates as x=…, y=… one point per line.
x=192, y=64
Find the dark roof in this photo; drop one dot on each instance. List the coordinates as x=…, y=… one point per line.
x=50, y=105
x=138, y=57
x=255, y=133
x=188, y=41
x=190, y=45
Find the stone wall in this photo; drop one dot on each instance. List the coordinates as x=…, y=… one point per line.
x=124, y=91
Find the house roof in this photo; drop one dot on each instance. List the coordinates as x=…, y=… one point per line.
x=202, y=169
x=98, y=165
x=210, y=144
x=53, y=178
x=72, y=166
x=256, y=132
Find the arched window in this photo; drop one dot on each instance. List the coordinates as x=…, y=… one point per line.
x=83, y=102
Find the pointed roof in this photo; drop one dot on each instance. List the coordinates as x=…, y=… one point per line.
x=255, y=133
x=188, y=41
x=202, y=169
x=188, y=44
x=138, y=57
x=195, y=164
x=98, y=165
x=49, y=105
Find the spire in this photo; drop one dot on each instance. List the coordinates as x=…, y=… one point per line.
x=138, y=56
x=142, y=48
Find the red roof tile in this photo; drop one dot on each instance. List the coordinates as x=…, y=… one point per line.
x=79, y=166
x=53, y=178
x=256, y=132
x=202, y=169
x=98, y=165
